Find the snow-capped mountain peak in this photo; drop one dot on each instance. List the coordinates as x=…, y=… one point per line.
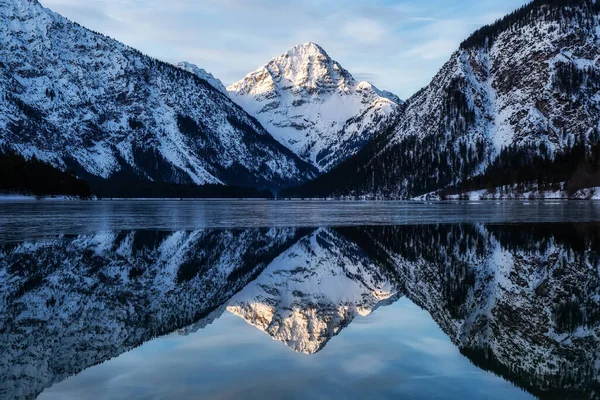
x=512, y=103
x=314, y=106
x=203, y=74
x=309, y=67
x=390, y=96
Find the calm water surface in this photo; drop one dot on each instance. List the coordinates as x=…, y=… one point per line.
x=23, y=220
x=295, y=300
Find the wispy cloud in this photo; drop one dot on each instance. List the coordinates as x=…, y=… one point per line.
x=364, y=30
x=398, y=44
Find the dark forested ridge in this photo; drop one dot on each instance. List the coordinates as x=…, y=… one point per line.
x=578, y=167
x=132, y=188
x=33, y=177
x=548, y=10
x=19, y=175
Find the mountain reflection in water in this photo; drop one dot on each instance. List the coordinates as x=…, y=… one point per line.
x=521, y=301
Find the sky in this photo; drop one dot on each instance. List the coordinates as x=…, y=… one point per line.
x=396, y=352
x=398, y=45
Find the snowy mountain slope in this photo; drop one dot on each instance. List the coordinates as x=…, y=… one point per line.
x=86, y=102
x=312, y=105
x=72, y=302
x=516, y=97
x=310, y=292
x=202, y=74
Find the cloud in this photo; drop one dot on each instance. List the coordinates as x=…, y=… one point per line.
x=433, y=346
x=422, y=19
x=433, y=50
x=398, y=44
x=364, y=30
x=364, y=365
x=365, y=76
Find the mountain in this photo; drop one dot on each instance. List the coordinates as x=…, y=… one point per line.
x=313, y=290
x=84, y=102
x=517, y=106
x=202, y=74
x=312, y=105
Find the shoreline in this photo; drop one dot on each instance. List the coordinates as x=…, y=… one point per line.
x=417, y=200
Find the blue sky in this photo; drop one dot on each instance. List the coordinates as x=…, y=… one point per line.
x=396, y=352
x=396, y=44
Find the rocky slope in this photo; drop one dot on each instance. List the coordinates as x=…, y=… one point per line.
x=518, y=103
x=203, y=74
x=312, y=105
x=85, y=102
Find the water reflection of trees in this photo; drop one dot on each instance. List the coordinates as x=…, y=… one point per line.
x=519, y=300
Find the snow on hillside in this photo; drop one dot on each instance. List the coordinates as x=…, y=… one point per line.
x=203, y=74
x=312, y=105
x=83, y=101
x=512, y=99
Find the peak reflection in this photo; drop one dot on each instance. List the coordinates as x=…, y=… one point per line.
x=519, y=300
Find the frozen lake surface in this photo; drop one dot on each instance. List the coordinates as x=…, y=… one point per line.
x=25, y=219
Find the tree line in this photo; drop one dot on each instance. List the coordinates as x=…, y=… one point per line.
x=19, y=175
x=561, y=11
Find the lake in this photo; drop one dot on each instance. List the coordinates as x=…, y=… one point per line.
x=294, y=300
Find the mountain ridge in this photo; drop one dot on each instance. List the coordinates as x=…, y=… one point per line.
x=505, y=101
x=515, y=111
x=314, y=106
x=84, y=102
x=203, y=74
